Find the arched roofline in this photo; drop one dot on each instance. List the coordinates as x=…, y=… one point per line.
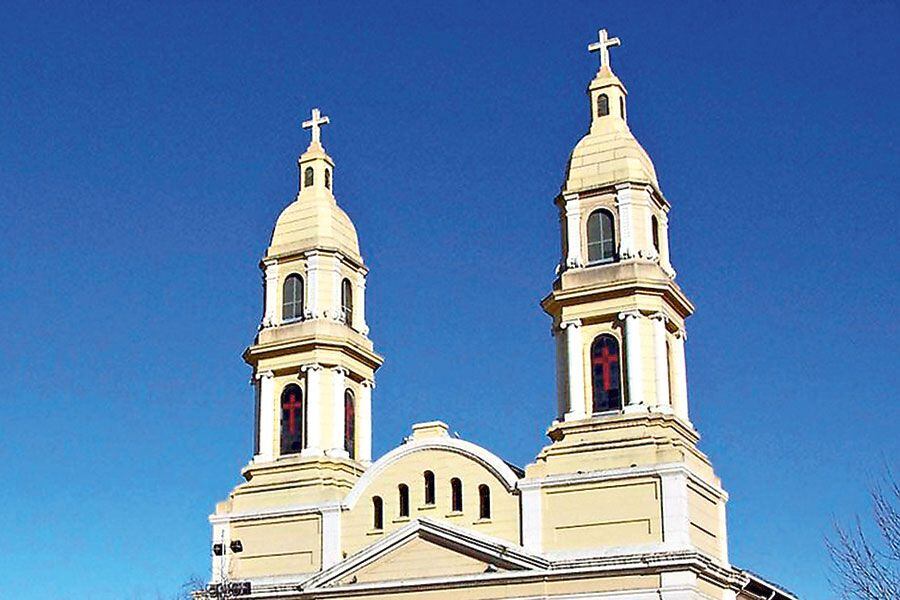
x=485, y=458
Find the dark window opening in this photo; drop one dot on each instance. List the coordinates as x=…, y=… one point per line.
x=404, y=499
x=292, y=417
x=484, y=502
x=347, y=301
x=601, y=239
x=328, y=178
x=308, y=177
x=622, y=107
x=349, y=423
x=292, y=298
x=606, y=366
x=377, y=513
x=456, y=500
x=654, y=230
x=429, y=487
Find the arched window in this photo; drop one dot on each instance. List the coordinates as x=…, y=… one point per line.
x=403, y=489
x=292, y=298
x=601, y=239
x=308, y=177
x=429, y=487
x=484, y=502
x=622, y=107
x=347, y=301
x=654, y=231
x=602, y=105
x=349, y=423
x=606, y=366
x=328, y=178
x=377, y=513
x=456, y=503
x=292, y=416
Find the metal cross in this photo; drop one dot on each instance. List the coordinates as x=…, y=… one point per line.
x=603, y=46
x=314, y=124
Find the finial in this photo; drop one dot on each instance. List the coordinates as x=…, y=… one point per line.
x=603, y=46
x=314, y=123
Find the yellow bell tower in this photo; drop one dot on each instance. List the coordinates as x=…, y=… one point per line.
x=623, y=468
x=313, y=374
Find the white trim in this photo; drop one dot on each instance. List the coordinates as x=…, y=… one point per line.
x=633, y=363
x=532, y=518
x=270, y=311
x=625, y=203
x=314, y=397
x=661, y=362
x=572, y=209
x=679, y=366
x=575, y=370
x=338, y=382
x=313, y=264
x=267, y=416
x=487, y=459
x=364, y=422
x=331, y=535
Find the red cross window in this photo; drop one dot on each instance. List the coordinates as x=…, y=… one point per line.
x=292, y=417
x=606, y=367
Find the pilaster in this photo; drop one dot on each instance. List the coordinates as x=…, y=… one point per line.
x=314, y=397
x=661, y=362
x=633, y=361
x=265, y=383
x=679, y=372
x=338, y=382
x=270, y=281
x=572, y=210
x=364, y=422
x=575, y=370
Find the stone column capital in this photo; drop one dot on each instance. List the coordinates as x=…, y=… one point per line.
x=680, y=334
x=367, y=383
x=573, y=323
x=630, y=314
x=660, y=316
x=264, y=375
x=339, y=370
x=310, y=367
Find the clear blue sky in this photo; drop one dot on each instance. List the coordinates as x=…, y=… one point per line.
x=146, y=150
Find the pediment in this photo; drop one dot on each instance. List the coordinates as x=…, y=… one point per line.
x=427, y=549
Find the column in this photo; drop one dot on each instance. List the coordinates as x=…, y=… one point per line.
x=574, y=256
x=575, y=370
x=337, y=308
x=562, y=393
x=331, y=535
x=359, y=305
x=364, y=422
x=265, y=383
x=633, y=364
x=679, y=373
x=625, y=200
x=314, y=397
x=270, y=311
x=313, y=268
x=661, y=363
x=339, y=385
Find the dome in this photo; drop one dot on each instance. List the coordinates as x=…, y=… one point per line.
x=609, y=154
x=314, y=222
x=607, y=158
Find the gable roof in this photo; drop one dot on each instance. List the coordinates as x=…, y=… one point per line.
x=497, y=553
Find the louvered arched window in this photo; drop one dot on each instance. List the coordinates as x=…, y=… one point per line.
x=292, y=298
x=654, y=231
x=347, y=301
x=456, y=500
x=350, y=423
x=292, y=417
x=328, y=178
x=601, y=238
x=429, y=487
x=308, y=177
x=602, y=105
x=606, y=368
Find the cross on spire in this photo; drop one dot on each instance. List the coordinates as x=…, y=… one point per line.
x=315, y=124
x=603, y=46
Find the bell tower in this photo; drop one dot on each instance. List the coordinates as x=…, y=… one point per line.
x=313, y=363
x=623, y=468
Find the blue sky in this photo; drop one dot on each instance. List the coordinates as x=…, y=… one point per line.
x=146, y=150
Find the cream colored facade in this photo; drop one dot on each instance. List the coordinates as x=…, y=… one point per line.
x=620, y=504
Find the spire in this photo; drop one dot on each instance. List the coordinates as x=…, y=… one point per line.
x=316, y=167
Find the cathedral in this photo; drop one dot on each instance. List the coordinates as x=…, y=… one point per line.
x=620, y=503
